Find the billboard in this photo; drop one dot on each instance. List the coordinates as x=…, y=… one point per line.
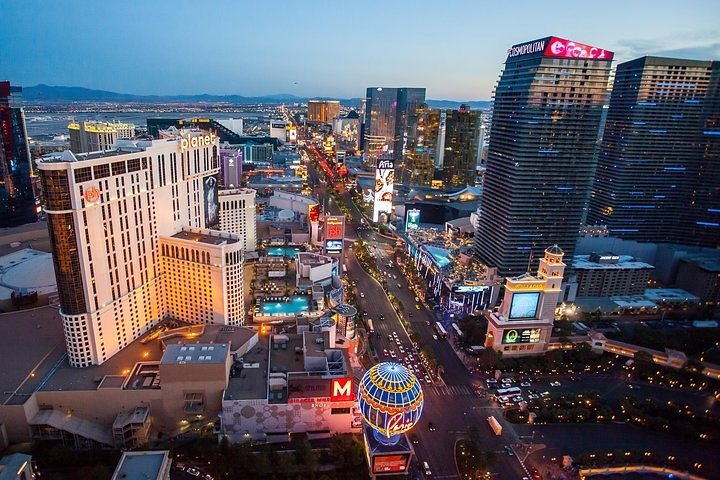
x=521, y=335
x=412, y=219
x=524, y=305
x=384, y=181
x=470, y=288
x=314, y=212
x=559, y=47
x=396, y=463
x=335, y=228
x=333, y=246
x=212, y=204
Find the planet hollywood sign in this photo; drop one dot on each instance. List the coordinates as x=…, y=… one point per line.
x=187, y=143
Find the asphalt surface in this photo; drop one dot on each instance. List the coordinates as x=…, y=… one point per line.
x=451, y=405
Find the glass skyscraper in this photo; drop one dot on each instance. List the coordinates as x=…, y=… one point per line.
x=658, y=177
x=17, y=198
x=542, y=152
x=387, y=113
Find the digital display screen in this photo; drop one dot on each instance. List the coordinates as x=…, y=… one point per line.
x=470, y=288
x=389, y=463
x=559, y=47
x=524, y=305
x=521, y=335
x=333, y=245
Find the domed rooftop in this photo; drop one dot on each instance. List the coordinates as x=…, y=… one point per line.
x=554, y=250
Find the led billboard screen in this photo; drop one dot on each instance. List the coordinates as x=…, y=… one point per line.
x=334, y=228
x=390, y=463
x=413, y=219
x=314, y=212
x=384, y=182
x=521, y=335
x=524, y=305
x=333, y=245
x=212, y=205
x=559, y=47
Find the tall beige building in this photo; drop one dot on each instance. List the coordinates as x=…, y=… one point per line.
x=323, y=111
x=98, y=136
x=108, y=215
x=237, y=215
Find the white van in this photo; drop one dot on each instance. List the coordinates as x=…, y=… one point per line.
x=426, y=469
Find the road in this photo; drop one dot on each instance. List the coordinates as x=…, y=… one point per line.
x=451, y=404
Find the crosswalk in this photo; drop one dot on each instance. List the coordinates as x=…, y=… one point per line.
x=449, y=390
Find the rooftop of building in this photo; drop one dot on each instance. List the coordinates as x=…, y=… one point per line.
x=93, y=126
x=624, y=262
x=237, y=191
x=212, y=237
x=137, y=415
x=249, y=374
x=313, y=259
x=26, y=271
x=31, y=344
x=141, y=465
x=195, y=353
x=286, y=354
x=670, y=295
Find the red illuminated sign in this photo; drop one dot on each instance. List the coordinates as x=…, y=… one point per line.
x=342, y=390
x=334, y=228
x=390, y=463
x=314, y=212
x=559, y=47
x=92, y=194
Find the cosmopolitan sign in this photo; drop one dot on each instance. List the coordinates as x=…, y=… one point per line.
x=560, y=48
x=198, y=141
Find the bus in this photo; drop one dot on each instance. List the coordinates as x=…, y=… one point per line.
x=442, y=333
x=497, y=428
x=508, y=391
x=370, y=326
x=456, y=329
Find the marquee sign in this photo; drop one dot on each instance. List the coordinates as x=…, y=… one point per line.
x=187, y=143
x=384, y=183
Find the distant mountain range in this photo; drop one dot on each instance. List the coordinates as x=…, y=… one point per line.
x=49, y=93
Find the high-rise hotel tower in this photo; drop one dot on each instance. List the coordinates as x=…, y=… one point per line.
x=132, y=241
x=658, y=177
x=542, y=152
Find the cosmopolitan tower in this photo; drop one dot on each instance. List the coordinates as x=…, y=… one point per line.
x=542, y=152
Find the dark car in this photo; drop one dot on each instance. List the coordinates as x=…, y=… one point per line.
x=414, y=439
x=431, y=426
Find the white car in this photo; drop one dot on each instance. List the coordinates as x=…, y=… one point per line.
x=554, y=384
x=435, y=337
x=362, y=294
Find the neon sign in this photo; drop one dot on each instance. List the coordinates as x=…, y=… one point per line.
x=559, y=47
x=198, y=141
x=342, y=390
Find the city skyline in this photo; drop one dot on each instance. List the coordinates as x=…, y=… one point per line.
x=225, y=48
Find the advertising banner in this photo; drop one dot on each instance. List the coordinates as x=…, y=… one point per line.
x=390, y=463
x=521, y=335
x=384, y=182
x=212, y=204
x=412, y=221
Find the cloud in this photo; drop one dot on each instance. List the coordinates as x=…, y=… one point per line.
x=699, y=45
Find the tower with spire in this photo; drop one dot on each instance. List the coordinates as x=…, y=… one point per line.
x=522, y=326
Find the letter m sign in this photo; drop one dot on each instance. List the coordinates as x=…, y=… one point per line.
x=342, y=390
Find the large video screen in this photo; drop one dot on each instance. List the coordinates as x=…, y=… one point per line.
x=390, y=463
x=521, y=335
x=333, y=245
x=211, y=204
x=524, y=305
